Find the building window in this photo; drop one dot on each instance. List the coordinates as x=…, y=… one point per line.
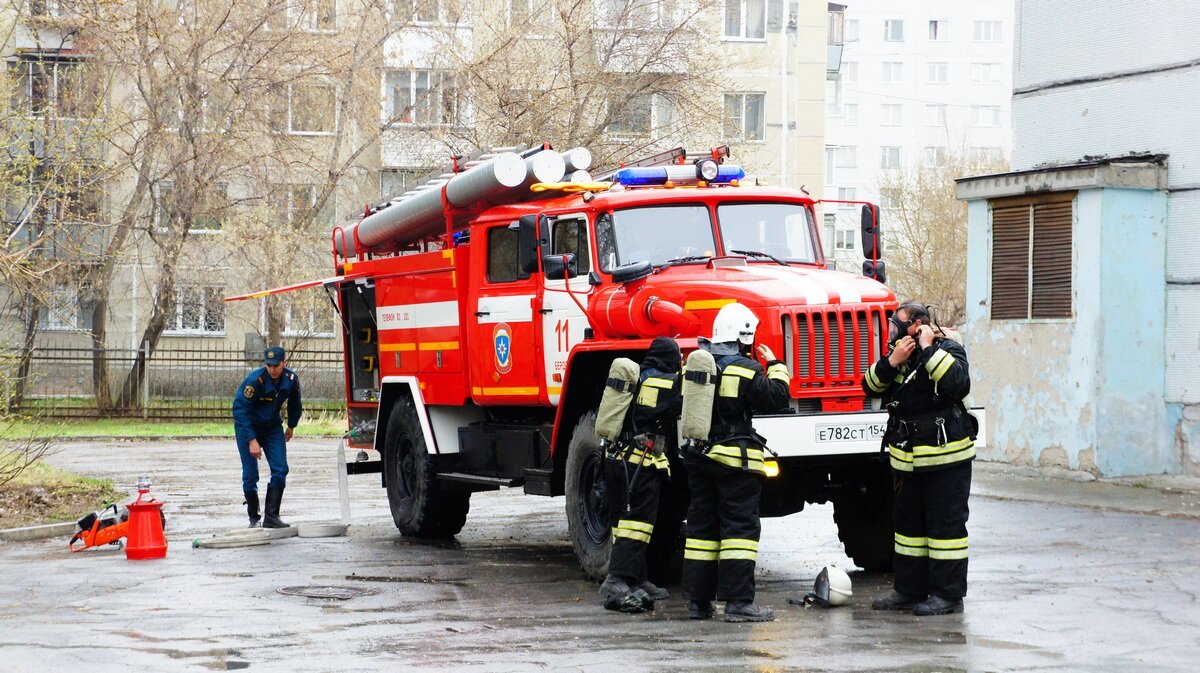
x=985, y=115
x=893, y=72
x=849, y=72
x=318, y=15
x=846, y=157
x=850, y=114
x=292, y=203
x=889, y=156
x=744, y=118
x=197, y=309
x=939, y=73
x=844, y=239
x=1031, y=257
x=207, y=215
x=986, y=155
x=503, y=264
x=893, y=30
x=304, y=110
x=745, y=19
x=61, y=87
x=935, y=156
x=833, y=97
x=987, y=31
x=985, y=73
x=851, y=30
x=569, y=236
x=66, y=309
x=447, y=12
x=938, y=30
x=424, y=97
x=847, y=194
x=532, y=14
x=309, y=319
x=935, y=115
x=639, y=115
x=638, y=14
x=892, y=114
x=395, y=181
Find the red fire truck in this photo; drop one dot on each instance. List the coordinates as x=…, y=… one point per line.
x=482, y=312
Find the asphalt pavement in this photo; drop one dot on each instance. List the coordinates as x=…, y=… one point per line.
x=1067, y=574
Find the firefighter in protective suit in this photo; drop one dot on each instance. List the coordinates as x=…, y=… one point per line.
x=929, y=438
x=636, y=471
x=725, y=474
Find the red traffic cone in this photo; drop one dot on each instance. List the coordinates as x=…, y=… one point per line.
x=145, y=535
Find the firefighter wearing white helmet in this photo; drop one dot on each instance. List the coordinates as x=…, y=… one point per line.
x=725, y=471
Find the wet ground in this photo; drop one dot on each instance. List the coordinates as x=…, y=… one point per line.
x=1086, y=585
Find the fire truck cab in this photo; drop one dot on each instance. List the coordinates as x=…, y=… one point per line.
x=478, y=341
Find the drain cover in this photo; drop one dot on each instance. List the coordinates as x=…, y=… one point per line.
x=328, y=591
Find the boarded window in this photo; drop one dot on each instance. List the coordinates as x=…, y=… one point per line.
x=1031, y=257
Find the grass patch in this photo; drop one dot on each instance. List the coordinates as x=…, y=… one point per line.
x=315, y=425
x=44, y=494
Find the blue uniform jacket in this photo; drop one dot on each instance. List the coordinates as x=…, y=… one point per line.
x=259, y=399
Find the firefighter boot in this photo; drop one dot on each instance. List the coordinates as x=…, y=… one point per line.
x=271, y=513
x=896, y=601
x=613, y=591
x=936, y=605
x=252, y=508
x=655, y=592
x=747, y=611
x=700, y=609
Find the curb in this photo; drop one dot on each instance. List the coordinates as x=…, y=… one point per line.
x=37, y=532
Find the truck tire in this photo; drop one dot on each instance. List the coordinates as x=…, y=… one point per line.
x=588, y=523
x=864, y=519
x=420, y=504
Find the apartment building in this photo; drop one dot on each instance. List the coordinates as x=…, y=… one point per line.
x=918, y=82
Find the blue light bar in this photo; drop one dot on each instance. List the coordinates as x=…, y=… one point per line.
x=645, y=176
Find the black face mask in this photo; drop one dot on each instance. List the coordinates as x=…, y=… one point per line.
x=897, y=328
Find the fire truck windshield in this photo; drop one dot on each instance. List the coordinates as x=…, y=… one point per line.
x=655, y=234
x=782, y=230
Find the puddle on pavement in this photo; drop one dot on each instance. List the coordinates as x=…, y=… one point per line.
x=327, y=591
x=404, y=580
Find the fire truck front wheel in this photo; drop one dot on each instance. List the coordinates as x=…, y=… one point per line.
x=420, y=505
x=587, y=506
x=863, y=514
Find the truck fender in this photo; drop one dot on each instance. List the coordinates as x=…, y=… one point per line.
x=392, y=389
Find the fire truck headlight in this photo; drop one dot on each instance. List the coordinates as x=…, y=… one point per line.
x=706, y=169
x=771, y=467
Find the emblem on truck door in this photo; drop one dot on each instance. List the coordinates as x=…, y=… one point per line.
x=502, y=340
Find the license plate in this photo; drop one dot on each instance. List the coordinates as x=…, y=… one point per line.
x=849, y=432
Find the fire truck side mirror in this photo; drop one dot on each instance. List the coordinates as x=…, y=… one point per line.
x=870, y=233
x=556, y=265
x=876, y=270
x=532, y=234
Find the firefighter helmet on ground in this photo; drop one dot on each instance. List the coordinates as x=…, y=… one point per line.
x=832, y=586
x=734, y=322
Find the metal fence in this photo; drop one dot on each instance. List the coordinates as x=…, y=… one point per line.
x=181, y=382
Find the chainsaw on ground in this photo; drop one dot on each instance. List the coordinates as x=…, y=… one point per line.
x=106, y=526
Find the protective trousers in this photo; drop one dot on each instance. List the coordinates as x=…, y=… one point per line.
x=633, y=506
x=274, y=448
x=723, y=528
x=930, y=523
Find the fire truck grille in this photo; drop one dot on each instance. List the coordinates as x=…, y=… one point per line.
x=829, y=348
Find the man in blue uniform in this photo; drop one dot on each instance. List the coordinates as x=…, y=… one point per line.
x=259, y=430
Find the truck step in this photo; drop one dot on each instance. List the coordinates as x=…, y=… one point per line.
x=478, y=480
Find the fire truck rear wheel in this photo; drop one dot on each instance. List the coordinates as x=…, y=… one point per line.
x=587, y=507
x=864, y=519
x=420, y=505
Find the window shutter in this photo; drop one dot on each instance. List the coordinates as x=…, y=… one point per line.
x=1052, y=258
x=1010, y=261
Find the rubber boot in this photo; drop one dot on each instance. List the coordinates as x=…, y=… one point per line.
x=636, y=602
x=252, y=508
x=747, y=611
x=700, y=609
x=655, y=592
x=896, y=601
x=271, y=514
x=936, y=605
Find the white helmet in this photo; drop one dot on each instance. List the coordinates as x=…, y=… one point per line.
x=833, y=585
x=734, y=322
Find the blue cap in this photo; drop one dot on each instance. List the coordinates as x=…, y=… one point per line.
x=274, y=355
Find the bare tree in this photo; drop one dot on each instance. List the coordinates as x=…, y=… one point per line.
x=925, y=229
